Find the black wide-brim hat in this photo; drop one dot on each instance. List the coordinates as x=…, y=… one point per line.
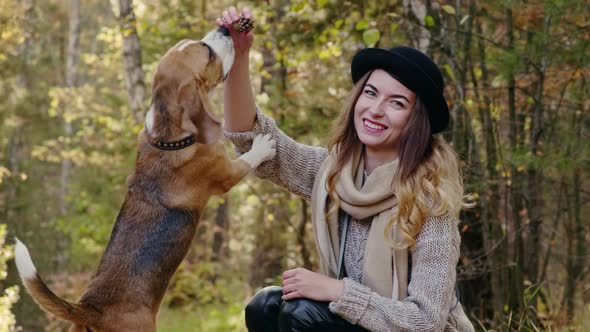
x=415, y=70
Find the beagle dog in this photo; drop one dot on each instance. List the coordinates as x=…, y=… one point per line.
x=180, y=164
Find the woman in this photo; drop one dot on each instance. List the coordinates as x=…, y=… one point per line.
x=385, y=196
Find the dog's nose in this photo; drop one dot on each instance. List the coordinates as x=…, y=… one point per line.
x=224, y=30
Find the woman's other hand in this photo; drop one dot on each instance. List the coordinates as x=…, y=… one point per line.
x=242, y=40
x=302, y=283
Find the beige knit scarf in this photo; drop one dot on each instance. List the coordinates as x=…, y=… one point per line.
x=385, y=269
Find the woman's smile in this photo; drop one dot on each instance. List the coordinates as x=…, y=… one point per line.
x=373, y=126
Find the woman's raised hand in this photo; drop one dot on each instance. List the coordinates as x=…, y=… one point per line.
x=242, y=40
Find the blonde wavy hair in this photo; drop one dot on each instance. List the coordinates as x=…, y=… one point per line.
x=428, y=181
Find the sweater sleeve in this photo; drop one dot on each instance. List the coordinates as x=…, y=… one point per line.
x=294, y=166
x=430, y=291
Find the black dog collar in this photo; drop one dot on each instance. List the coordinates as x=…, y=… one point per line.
x=177, y=145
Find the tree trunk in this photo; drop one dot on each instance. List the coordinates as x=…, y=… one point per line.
x=221, y=229
x=493, y=238
x=535, y=199
x=535, y=174
x=305, y=251
x=267, y=261
x=577, y=232
x=580, y=232
x=71, y=81
x=569, y=292
x=28, y=315
x=516, y=246
x=73, y=44
x=416, y=10
x=134, y=76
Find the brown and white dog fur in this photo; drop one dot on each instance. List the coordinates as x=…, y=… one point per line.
x=166, y=195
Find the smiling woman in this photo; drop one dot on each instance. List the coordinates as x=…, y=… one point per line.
x=385, y=199
x=380, y=115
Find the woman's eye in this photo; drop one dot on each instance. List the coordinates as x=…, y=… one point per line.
x=396, y=104
x=370, y=93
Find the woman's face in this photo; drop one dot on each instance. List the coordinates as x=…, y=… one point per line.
x=382, y=111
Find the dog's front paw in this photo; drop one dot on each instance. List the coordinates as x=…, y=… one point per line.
x=263, y=149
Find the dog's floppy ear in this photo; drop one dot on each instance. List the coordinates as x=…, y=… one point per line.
x=163, y=117
x=193, y=98
x=156, y=119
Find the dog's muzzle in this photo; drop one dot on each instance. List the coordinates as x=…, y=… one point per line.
x=221, y=43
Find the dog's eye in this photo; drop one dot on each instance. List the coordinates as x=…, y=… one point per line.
x=211, y=52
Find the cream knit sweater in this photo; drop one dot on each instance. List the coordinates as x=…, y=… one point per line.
x=431, y=304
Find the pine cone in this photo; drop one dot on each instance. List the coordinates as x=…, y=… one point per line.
x=243, y=24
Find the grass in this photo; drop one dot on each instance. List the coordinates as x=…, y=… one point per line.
x=211, y=318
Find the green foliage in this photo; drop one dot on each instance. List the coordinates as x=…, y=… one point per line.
x=194, y=285
x=322, y=3
x=449, y=9
x=10, y=294
x=371, y=37
x=214, y=318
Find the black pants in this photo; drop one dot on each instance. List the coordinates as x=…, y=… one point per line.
x=267, y=312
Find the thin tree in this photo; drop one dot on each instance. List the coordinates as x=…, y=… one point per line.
x=134, y=76
x=71, y=81
x=514, y=185
x=493, y=237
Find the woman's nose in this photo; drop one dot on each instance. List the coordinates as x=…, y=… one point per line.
x=376, y=108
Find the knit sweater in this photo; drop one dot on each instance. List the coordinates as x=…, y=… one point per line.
x=356, y=237
x=431, y=304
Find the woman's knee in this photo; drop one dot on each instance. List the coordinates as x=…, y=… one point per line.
x=302, y=315
x=266, y=302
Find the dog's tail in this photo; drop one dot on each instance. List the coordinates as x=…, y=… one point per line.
x=80, y=314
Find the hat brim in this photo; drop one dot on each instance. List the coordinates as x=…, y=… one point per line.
x=379, y=58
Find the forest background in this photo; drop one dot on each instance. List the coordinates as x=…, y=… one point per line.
x=75, y=82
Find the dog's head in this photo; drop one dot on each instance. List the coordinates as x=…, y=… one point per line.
x=185, y=76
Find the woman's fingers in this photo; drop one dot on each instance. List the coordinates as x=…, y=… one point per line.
x=289, y=281
x=289, y=289
x=293, y=272
x=291, y=296
x=288, y=274
x=226, y=17
x=247, y=13
x=233, y=13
